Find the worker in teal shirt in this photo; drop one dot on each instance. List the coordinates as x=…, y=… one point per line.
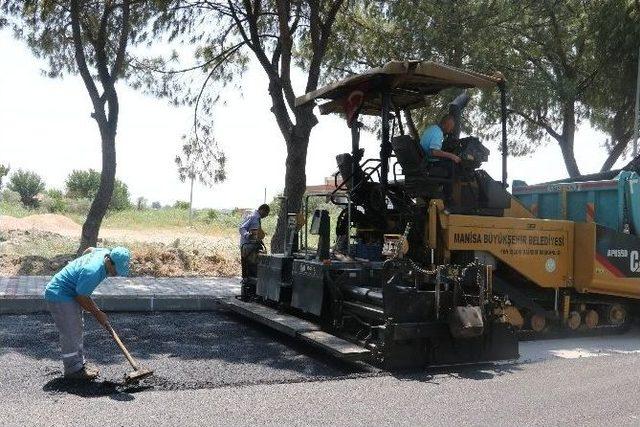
x=432, y=138
x=69, y=292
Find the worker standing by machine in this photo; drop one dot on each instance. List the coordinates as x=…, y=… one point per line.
x=251, y=236
x=69, y=292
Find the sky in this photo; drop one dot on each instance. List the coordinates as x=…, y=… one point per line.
x=45, y=126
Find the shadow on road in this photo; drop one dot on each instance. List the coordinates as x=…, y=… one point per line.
x=88, y=389
x=478, y=372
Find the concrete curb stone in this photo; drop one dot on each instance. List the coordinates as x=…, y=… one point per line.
x=24, y=294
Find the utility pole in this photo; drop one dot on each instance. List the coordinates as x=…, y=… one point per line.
x=636, y=122
x=265, y=195
x=193, y=178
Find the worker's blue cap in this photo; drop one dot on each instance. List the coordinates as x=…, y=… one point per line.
x=121, y=257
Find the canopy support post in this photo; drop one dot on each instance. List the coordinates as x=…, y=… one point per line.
x=385, y=145
x=505, y=149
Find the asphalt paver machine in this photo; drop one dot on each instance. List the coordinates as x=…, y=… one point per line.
x=388, y=289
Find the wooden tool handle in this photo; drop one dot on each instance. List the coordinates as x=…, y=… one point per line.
x=122, y=347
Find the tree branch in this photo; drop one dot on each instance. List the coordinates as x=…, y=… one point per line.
x=143, y=66
x=221, y=60
x=320, y=43
x=122, y=43
x=541, y=123
x=286, y=45
x=275, y=85
x=81, y=61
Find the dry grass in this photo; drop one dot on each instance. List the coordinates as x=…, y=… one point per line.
x=33, y=252
x=162, y=241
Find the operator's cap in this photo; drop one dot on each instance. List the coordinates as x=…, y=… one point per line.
x=121, y=257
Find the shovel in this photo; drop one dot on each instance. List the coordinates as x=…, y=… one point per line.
x=139, y=372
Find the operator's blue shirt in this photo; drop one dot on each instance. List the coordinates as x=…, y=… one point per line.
x=250, y=222
x=431, y=139
x=80, y=277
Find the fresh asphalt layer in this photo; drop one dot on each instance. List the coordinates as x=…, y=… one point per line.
x=214, y=368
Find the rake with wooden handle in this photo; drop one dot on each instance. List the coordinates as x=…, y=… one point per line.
x=139, y=372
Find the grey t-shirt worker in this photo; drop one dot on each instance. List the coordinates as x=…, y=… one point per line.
x=251, y=236
x=69, y=291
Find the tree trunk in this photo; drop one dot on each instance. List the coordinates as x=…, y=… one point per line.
x=105, y=107
x=567, y=139
x=569, y=159
x=295, y=181
x=100, y=204
x=614, y=155
x=411, y=125
x=620, y=136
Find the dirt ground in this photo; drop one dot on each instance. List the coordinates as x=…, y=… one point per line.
x=42, y=244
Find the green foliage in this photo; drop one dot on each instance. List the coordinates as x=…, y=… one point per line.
x=4, y=171
x=9, y=196
x=212, y=215
x=201, y=159
x=45, y=26
x=55, y=202
x=120, y=199
x=456, y=33
x=611, y=98
x=28, y=184
x=156, y=205
x=560, y=60
x=84, y=184
x=141, y=203
x=13, y=207
x=54, y=193
x=179, y=204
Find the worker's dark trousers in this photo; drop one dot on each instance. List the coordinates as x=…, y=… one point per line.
x=243, y=263
x=70, y=323
x=248, y=260
x=248, y=257
x=445, y=167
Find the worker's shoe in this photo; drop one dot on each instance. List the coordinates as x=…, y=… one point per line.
x=86, y=373
x=93, y=370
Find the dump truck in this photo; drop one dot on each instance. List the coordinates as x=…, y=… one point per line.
x=601, y=284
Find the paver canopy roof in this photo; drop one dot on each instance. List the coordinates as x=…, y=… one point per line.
x=411, y=82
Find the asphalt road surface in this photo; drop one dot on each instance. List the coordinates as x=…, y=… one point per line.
x=216, y=369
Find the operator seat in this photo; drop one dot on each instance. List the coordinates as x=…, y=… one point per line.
x=420, y=175
x=345, y=162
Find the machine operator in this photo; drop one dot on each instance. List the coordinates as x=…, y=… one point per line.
x=433, y=137
x=251, y=236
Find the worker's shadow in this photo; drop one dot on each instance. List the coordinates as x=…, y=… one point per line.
x=88, y=389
